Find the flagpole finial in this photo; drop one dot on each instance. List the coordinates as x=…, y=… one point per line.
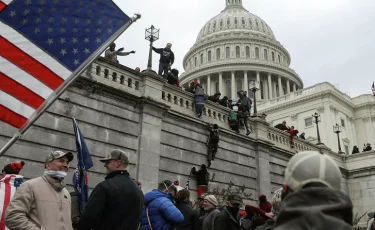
x=136, y=17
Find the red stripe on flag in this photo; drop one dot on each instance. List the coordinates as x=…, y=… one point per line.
x=2, y=5
x=8, y=192
x=29, y=64
x=12, y=118
x=15, y=89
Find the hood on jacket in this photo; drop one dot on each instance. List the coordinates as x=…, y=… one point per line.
x=154, y=194
x=262, y=198
x=317, y=208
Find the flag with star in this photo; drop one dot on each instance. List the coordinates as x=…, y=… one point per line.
x=45, y=45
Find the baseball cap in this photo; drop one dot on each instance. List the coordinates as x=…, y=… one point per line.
x=117, y=154
x=58, y=154
x=312, y=167
x=234, y=199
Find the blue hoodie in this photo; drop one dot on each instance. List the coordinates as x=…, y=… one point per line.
x=161, y=210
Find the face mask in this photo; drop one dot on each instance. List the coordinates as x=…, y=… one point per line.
x=58, y=174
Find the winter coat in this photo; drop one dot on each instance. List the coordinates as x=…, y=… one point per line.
x=40, y=204
x=246, y=104
x=173, y=80
x=208, y=219
x=318, y=208
x=191, y=220
x=202, y=176
x=225, y=221
x=281, y=127
x=75, y=209
x=161, y=210
x=166, y=55
x=112, y=55
x=114, y=204
x=264, y=204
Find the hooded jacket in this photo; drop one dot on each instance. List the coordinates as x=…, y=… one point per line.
x=318, y=208
x=264, y=204
x=191, y=220
x=161, y=210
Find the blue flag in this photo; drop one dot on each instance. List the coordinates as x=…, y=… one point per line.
x=80, y=179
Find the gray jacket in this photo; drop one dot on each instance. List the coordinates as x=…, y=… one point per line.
x=208, y=219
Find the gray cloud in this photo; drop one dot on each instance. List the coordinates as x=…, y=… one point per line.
x=327, y=40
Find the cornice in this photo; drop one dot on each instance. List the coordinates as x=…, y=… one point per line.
x=225, y=40
x=307, y=98
x=235, y=62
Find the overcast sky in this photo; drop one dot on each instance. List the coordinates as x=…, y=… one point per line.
x=328, y=40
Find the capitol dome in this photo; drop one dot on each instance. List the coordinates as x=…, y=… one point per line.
x=235, y=47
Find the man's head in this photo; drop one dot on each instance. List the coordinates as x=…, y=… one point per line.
x=203, y=167
x=241, y=93
x=225, y=98
x=172, y=190
x=58, y=161
x=116, y=160
x=234, y=201
x=164, y=186
x=311, y=168
x=183, y=195
x=284, y=123
x=292, y=127
x=215, y=126
x=217, y=95
x=368, y=144
x=112, y=47
x=175, y=72
x=168, y=46
x=303, y=134
x=210, y=202
x=13, y=168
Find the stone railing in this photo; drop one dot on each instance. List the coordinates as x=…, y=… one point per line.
x=180, y=101
x=282, y=140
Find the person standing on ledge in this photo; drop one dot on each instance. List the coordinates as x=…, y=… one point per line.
x=111, y=54
x=166, y=59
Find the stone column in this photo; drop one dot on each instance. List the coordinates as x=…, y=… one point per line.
x=245, y=81
x=294, y=87
x=269, y=86
x=221, y=83
x=233, y=87
x=280, y=86
x=208, y=85
x=287, y=86
x=258, y=80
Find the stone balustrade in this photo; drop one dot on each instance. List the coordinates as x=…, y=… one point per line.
x=282, y=140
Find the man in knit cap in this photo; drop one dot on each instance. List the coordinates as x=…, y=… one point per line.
x=264, y=204
x=276, y=205
x=210, y=206
x=313, y=196
x=9, y=183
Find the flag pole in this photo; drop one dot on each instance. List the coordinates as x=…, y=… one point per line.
x=63, y=87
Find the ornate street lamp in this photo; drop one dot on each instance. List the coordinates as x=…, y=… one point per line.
x=151, y=35
x=254, y=86
x=316, y=116
x=337, y=130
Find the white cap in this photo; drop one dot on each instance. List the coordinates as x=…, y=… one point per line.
x=312, y=167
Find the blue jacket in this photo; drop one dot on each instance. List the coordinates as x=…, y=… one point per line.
x=161, y=210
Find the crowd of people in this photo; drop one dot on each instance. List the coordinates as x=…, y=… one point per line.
x=366, y=148
x=311, y=198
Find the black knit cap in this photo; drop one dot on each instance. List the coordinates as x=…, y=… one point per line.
x=14, y=167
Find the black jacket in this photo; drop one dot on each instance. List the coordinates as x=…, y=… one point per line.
x=225, y=221
x=318, y=208
x=202, y=176
x=114, y=204
x=281, y=127
x=191, y=220
x=166, y=55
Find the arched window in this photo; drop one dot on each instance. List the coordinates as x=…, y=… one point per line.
x=273, y=56
x=227, y=52
x=208, y=27
x=235, y=21
x=228, y=89
x=256, y=52
x=257, y=24
x=261, y=90
x=278, y=56
x=201, y=58
x=237, y=52
x=238, y=85
x=209, y=55
x=228, y=21
x=218, y=54
x=265, y=54
x=250, y=22
x=214, y=26
x=277, y=91
x=221, y=23
x=195, y=61
x=247, y=51
x=243, y=21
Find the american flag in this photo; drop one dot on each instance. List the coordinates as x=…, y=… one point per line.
x=8, y=186
x=43, y=43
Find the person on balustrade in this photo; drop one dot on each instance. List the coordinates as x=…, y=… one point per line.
x=282, y=126
x=111, y=54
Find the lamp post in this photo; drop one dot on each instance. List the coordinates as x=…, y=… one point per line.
x=337, y=130
x=316, y=117
x=254, y=86
x=151, y=34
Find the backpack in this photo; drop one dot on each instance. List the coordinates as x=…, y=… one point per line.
x=214, y=136
x=250, y=223
x=233, y=116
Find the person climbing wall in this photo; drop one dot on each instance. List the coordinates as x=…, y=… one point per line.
x=212, y=143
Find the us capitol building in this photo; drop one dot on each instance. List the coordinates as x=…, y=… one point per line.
x=237, y=46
